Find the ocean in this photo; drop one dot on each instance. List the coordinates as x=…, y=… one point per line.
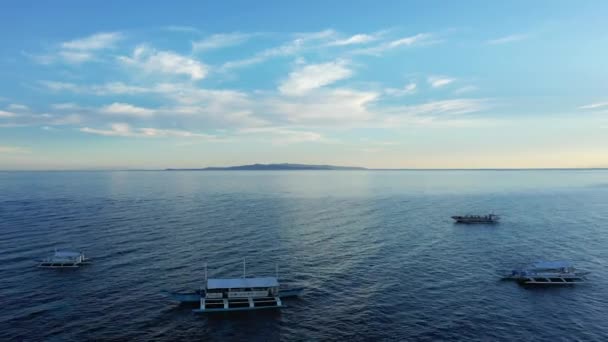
x=377, y=252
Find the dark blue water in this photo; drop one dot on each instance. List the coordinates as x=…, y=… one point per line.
x=377, y=252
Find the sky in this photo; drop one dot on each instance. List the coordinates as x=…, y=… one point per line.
x=379, y=84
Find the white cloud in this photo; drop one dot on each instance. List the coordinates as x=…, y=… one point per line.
x=60, y=86
x=595, y=105
x=314, y=76
x=165, y=62
x=18, y=107
x=465, y=89
x=13, y=149
x=509, y=39
x=71, y=119
x=5, y=114
x=356, y=39
x=432, y=112
x=96, y=41
x=301, y=43
x=407, y=90
x=325, y=107
x=439, y=81
x=281, y=135
x=180, y=28
x=66, y=106
x=418, y=39
x=76, y=57
x=407, y=41
x=111, y=88
x=117, y=108
x=218, y=41
x=124, y=130
x=117, y=88
x=79, y=50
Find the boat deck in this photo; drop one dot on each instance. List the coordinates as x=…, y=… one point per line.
x=238, y=304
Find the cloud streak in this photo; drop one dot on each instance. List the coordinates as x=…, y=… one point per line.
x=508, y=39
x=314, y=76
x=439, y=81
x=218, y=41
x=125, y=130
x=595, y=105
x=152, y=61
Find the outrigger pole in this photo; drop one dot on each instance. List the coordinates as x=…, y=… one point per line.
x=244, y=269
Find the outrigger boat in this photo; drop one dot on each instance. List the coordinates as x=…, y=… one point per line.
x=548, y=273
x=491, y=218
x=238, y=294
x=64, y=259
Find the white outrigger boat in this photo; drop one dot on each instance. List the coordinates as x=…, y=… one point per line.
x=238, y=294
x=548, y=273
x=64, y=259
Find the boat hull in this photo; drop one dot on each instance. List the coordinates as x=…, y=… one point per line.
x=199, y=311
x=49, y=264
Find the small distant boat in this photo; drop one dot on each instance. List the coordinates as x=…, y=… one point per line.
x=238, y=294
x=491, y=218
x=548, y=273
x=65, y=259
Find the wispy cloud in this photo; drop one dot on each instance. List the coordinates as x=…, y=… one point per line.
x=509, y=39
x=418, y=39
x=59, y=86
x=431, y=112
x=301, y=42
x=17, y=107
x=13, y=149
x=165, y=62
x=282, y=135
x=218, y=41
x=439, y=81
x=180, y=28
x=465, y=89
x=314, y=76
x=5, y=114
x=325, y=107
x=111, y=88
x=80, y=50
x=117, y=108
x=595, y=105
x=353, y=40
x=407, y=90
x=96, y=41
x=124, y=130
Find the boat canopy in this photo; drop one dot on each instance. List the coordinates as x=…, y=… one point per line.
x=67, y=254
x=551, y=264
x=236, y=283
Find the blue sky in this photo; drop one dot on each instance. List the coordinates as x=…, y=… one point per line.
x=428, y=84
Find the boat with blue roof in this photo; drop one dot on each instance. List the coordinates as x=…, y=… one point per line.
x=548, y=273
x=238, y=294
x=64, y=259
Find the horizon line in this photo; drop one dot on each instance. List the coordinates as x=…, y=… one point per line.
x=354, y=169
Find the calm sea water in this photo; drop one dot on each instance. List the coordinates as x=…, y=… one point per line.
x=377, y=252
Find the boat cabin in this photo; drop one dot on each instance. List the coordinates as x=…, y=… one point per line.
x=235, y=294
x=64, y=259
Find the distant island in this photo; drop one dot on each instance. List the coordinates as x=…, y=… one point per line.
x=273, y=167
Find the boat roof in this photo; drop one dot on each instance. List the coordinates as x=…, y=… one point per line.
x=551, y=264
x=241, y=283
x=67, y=254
